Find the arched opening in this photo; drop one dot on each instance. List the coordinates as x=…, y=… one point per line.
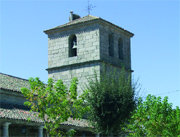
x=120, y=49
x=72, y=46
x=111, y=45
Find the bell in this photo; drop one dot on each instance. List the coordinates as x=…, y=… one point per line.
x=74, y=45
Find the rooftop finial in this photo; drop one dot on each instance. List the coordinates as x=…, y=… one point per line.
x=89, y=7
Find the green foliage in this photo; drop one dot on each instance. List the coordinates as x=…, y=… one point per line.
x=155, y=117
x=55, y=103
x=111, y=98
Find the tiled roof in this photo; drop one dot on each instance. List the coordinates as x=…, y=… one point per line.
x=76, y=21
x=19, y=112
x=83, y=20
x=12, y=83
x=77, y=122
x=80, y=20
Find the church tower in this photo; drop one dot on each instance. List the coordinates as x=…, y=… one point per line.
x=84, y=46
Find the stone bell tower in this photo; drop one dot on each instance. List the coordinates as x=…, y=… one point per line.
x=84, y=45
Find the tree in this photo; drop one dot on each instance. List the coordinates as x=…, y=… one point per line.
x=111, y=99
x=54, y=103
x=155, y=117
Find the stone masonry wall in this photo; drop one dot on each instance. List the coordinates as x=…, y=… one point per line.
x=105, y=30
x=83, y=72
x=82, y=66
x=112, y=70
x=92, y=51
x=87, y=46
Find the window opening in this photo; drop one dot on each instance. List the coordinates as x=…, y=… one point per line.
x=120, y=48
x=111, y=45
x=72, y=46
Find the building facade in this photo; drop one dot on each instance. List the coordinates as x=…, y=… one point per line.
x=80, y=48
x=17, y=121
x=83, y=46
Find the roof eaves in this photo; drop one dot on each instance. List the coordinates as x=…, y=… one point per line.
x=13, y=76
x=8, y=89
x=12, y=83
x=25, y=115
x=130, y=33
x=81, y=20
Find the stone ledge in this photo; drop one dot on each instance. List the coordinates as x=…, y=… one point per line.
x=88, y=62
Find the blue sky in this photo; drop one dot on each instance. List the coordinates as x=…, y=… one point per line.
x=155, y=48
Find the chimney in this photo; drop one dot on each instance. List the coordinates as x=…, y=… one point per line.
x=73, y=16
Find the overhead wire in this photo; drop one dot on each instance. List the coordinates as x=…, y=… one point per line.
x=163, y=93
x=169, y=92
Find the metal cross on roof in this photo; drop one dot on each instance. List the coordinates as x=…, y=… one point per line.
x=89, y=7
